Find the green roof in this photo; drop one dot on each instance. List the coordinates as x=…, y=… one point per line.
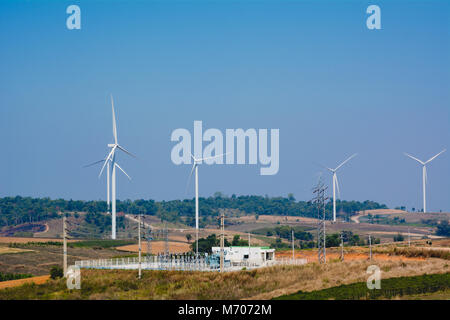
x=250, y=246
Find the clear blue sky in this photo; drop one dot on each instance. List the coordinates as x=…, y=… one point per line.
x=310, y=68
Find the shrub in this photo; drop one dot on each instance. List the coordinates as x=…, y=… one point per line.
x=56, y=272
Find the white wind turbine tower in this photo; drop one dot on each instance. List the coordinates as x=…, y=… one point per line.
x=424, y=175
x=111, y=164
x=336, y=184
x=198, y=161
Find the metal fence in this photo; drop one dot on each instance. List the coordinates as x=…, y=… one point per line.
x=180, y=262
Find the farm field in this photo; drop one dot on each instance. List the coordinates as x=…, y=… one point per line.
x=20, y=282
x=391, y=288
x=29, y=239
x=38, y=259
x=8, y=250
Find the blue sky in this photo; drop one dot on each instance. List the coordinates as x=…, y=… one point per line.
x=309, y=68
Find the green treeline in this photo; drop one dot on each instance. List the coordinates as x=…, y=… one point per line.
x=13, y=276
x=18, y=210
x=390, y=288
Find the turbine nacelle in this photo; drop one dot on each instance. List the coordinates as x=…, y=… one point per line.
x=336, y=182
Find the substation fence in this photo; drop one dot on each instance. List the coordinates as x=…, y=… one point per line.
x=179, y=262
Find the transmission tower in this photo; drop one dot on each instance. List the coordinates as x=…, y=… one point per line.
x=149, y=239
x=64, y=245
x=222, y=239
x=166, y=241
x=319, y=201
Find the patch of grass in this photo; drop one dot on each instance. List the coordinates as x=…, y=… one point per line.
x=421, y=252
x=100, y=243
x=390, y=288
x=35, y=244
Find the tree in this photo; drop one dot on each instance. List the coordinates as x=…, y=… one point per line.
x=205, y=244
x=399, y=237
x=443, y=229
x=56, y=272
x=238, y=242
x=333, y=240
x=189, y=237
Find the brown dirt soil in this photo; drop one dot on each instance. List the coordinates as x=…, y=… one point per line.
x=25, y=240
x=19, y=282
x=157, y=247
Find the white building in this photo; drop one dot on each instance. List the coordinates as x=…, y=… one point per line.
x=236, y=255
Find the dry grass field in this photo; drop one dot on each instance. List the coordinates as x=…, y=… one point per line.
x=20, y=282
x=8, y=250
x=334, y=254
x=265, y=283
x=38, y=259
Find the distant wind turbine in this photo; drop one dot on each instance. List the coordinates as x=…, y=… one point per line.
x=111, y=165
x=424, y=175
x=336, y=183
x=197, y=161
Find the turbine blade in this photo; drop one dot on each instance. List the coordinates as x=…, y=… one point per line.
x=94, y=163
x=219, y=155
x=106, y=160
x=117, y=165
x=337, y=187
x=431, y=159
x=351, y=157
x=114, y=121
x=190, y=177
x=321, y=165
x=414, y=158
x=123, y=149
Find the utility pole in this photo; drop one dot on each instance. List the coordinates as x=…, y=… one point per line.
x=292, y=237
x=409, y=238
x=149, y=244
x=370, y=247
x=166, y=241
x=139, y=240
x=342, y=246
x=64, y=245
x=222, y=241
x=249, y=246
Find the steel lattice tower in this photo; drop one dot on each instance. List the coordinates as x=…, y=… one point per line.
x=319, y=201
x=166, y=241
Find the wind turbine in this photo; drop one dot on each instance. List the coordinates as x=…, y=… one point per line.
x=336, y=183
x=111, y=164
x=198, y=161
x=424, y=175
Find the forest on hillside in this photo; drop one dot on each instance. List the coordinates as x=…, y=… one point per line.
x=18, y=210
